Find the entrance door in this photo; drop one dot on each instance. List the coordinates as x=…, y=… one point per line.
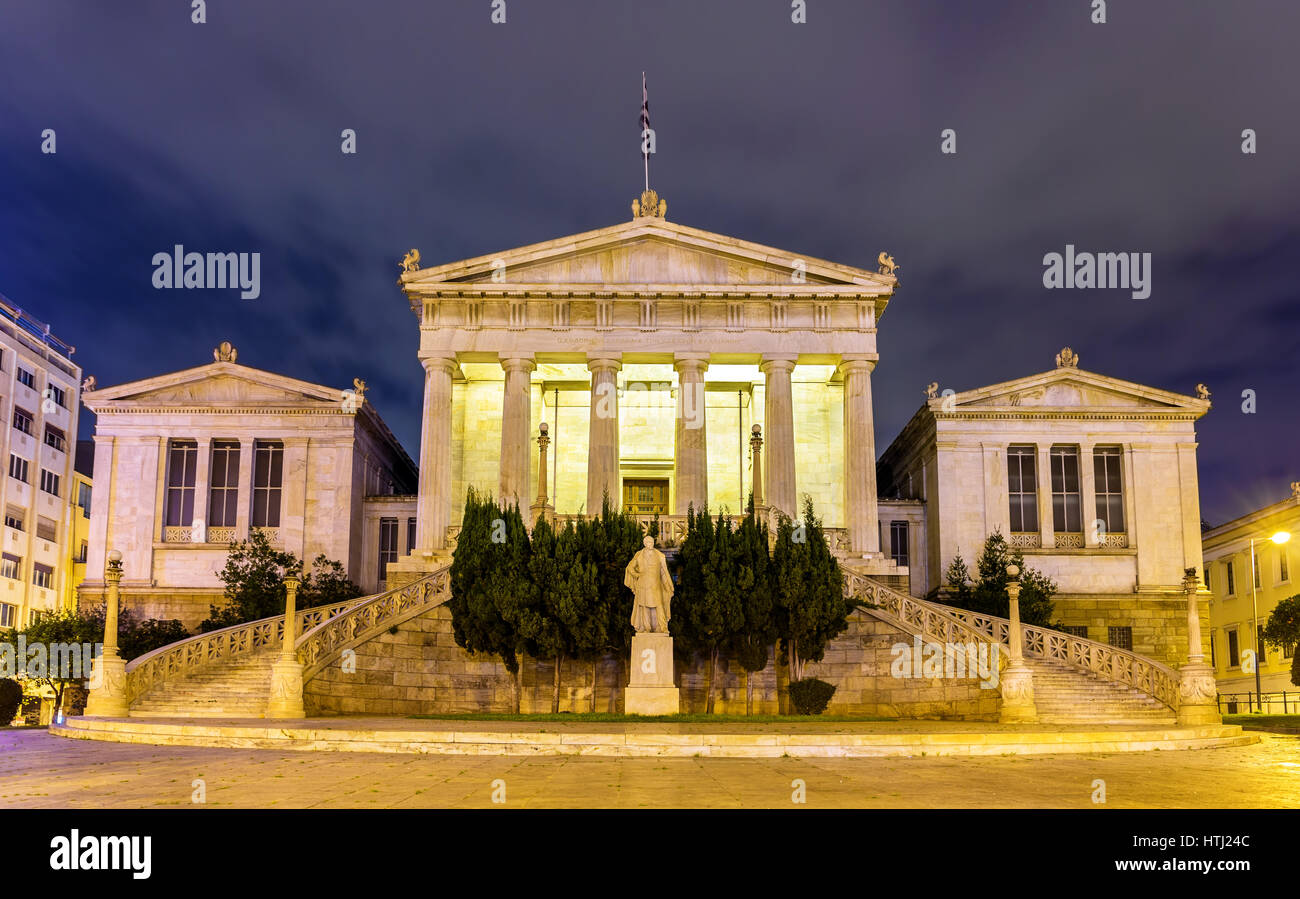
x=645, y=496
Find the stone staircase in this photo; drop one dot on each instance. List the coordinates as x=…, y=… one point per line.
x=236, y=688
x=1064, y=694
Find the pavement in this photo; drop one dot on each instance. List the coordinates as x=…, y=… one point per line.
x=38, y=770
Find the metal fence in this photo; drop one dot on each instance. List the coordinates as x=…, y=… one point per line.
x=1280, y=703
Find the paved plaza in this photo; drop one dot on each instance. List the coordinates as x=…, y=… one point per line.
x=38, y=770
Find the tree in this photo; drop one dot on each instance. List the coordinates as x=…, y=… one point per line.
x=609, y=542
x=1283, y=631
x=533, y=609
x=709, y=616
x=487, y=568
x=64, y=628
x=325, y=584
x=254, y=578
x=811, y=609
x=759, y=632
x=987, y=594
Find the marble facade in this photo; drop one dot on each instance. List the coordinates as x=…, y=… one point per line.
x=335, y=451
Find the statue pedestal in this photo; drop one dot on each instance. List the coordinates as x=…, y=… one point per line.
x=650, y=690
x=1198, y=696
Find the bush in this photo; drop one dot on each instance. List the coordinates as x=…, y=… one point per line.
x=11, y=696
x=149, y=635
x=811, y=695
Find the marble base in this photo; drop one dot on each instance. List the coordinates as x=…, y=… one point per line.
x=651, y=701
x=286, y=690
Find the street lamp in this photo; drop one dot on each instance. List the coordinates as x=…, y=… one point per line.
x=1279, y=538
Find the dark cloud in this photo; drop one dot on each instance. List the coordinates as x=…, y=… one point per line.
x=820, y=138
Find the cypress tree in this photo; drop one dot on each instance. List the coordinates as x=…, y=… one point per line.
x=757, y=603
x=811, y=607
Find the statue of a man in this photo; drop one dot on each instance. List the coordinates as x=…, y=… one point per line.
x=648, y=579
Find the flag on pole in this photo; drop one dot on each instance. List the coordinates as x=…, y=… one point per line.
x=645, y=115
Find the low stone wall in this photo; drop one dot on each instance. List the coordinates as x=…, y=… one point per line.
x=1158, y=622
x=421, y=670
x=187, y=607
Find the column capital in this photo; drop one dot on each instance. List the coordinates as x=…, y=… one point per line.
x=691, y=362
x=777, y=362
x=855, y=364
x=604, y=362
x=447, y=364
x=522, y=362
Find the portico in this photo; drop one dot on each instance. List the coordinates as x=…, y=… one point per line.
x=650, y=350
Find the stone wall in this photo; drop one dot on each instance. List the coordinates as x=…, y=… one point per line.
x=1159, y=624
x=421, y=670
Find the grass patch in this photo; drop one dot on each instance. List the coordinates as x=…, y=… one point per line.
x=596, y=717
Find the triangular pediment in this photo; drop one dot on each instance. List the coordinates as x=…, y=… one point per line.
x=648, y=251
x=220, y=384
x=1068, y=389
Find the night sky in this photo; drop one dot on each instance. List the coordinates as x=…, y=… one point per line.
x=822, y=138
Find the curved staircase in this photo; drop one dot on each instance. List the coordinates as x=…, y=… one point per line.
x=1076, y=680
x=236, y=690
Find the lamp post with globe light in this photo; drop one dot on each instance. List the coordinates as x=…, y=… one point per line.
x=1279, y=538
x=108, y=677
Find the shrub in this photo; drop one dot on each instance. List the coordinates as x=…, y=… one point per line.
x=11, y=696
x=811, y=695
x=150, y=634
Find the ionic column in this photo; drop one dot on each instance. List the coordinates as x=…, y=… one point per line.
x=434, y=505
x=516, y=430
x=779, y=418
x=691, y=460
x=860, y=512
x=602, y=433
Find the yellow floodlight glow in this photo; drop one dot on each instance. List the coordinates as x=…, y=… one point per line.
x=1281, y=537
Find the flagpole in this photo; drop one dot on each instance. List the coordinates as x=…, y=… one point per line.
x=645, y=153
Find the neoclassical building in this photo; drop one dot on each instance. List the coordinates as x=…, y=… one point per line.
x=1091, y=477
x=653, y=354
x=187, y=462
x=663, y=367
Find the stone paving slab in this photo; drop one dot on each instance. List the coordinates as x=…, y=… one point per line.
x=39, y=770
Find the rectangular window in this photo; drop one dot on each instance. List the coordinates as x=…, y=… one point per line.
x=8, y=614
x=46, y=528
x=1067, y=517
x=55, y=438
x=1254, y=564
x=1234, y=650
x=83, y=499
x=268, y=476
x=1214, y=638
x=898, y=542
x=18, y=468
x=26, y=378
x=10, y=566
x=22, y=420
x=1261, y=648
x=1232, y=585
x=410, y=535
x=182, y=459
x=1283, y=569
x=1076, y=630
x=49, y=482
x=1207, y=577
x=15, y=518
x=42, y=575
x=1120, y=637
x=1022, y=484
x=387, y=545
x=59, y=396
x=34, y=616
x=85, y=549
x=1109, y=482
x=223, y=494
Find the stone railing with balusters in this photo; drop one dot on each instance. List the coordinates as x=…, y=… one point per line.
x=186, y=656
x=1108, y=662
x=917, y=614
x=320, y=645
